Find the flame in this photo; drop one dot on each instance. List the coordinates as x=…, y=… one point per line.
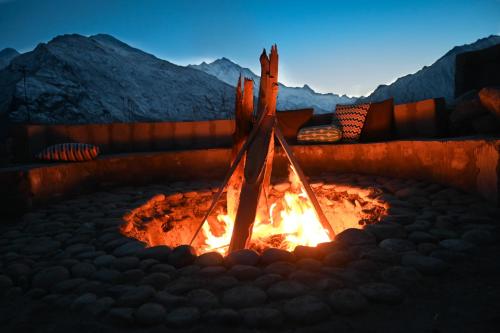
x=296, y=223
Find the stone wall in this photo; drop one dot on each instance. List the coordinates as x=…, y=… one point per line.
x=470, y=165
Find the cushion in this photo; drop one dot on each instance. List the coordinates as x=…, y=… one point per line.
x=426, y=119
x=69, y=152
x=290, y=121
x=351, y=119
x=322, y=133
x=379, y=123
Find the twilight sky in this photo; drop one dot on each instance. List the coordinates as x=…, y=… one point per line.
x=334, y=46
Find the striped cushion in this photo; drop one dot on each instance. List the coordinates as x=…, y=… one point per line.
x=351, y=119
x=322, y=133
x=69, y=152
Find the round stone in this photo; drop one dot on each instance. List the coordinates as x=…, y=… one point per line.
x=458, y=245
x=397, y=245
x=280, y=267
x=244, y=297
x=306, y=309
x=302, y=251
x=150, y=314
x=136, y=296
x=354, y=236
x=156, y=280
x=211, y=271
x=159, y=253
x=305, y=277
x=66, y=286
x=125, y=263
x=286, y=289
x=273, y=255
x=121, y=316
x=338, y=258
x=381, y=293
x=132, y=276
x=448, y=255
x=242, y=257
x=49, y=276
x=83, y=301
x=478, y=236
x=107, y=275
x=5, y=282
x=104, y=260
x=210, y=259
x=266, y=280
x=203, y=299
x=102, y=306
x=347, y=301
x=426, y=248
x=383, y=231
x=245, y=272
x=261, y=317
x=309, y=264
x=184, y=284
x=405, y=277
x=128, y=249
x=182, y=255
x=421, y=237
x=425, y=265
x=223, y=282
x=443, y=233
x=380, y=255
x=169, y=300
x=184, y=316
x=82, y=270
x=223, y=316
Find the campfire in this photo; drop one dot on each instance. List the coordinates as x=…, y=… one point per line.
x=253, y=215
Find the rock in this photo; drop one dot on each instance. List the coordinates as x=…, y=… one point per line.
x=404, y=277
x=443, y=233
x=104, y=260
x=244, y=297
x=419, y=225
x=223, y=282
x=381, y=293
x=42, y=246
x=421, y=237
x=223, y=316
x=397, y=245
x=211, y=271
x=380, y=255
x=203, y=299
x=136, y=296
x=245, y=272
x=182, y=317
x=302, y=251
x=189, y=270
x=286, y=289
x=210, y=259
x=168, y=300
x=132, y=276
x=82, y=270
x=490, y=99
x=353, y=236
x=458, y=245
x=478, y=236
x=150, y=314
x=425, y=265
x=338, y=258
x=5, y=283
x=309, y=264
x=426, y=248
x=121, y=316
x=128, y=249
x=184, y=284
x=159, y=253
x=364, y=265
x=261, y=317
x=383, y=231
x=243, y=257
x=266, y=280
x=49, y=276
x=305, y=277
x=156, y=280
x=327, y=284
x=400, y=219
x=273, y=255
x=83, y=301
x=182, y=255
x=66, y=286
x=18, y=271
x=306, y=309
x=159, y=268
x=347, y=301
x=280, y=267
x=125, y=263
x=107, y=275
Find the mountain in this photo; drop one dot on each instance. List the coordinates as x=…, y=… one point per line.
x=437, y=80
x=77, y=79
x=6, y=56
x=288, y=97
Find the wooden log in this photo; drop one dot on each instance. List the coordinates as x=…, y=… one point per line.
x=255, y=169
x=303, y=179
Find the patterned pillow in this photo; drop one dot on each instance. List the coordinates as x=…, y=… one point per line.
x=322, y=133
x=351, y=119
x=69, y=152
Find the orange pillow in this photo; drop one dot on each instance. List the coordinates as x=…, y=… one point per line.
x=379, y=122
x=290, y=121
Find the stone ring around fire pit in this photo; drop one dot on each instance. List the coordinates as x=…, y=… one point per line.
x=393, y=235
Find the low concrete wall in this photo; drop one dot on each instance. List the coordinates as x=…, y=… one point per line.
x=114, y=138
x=471, y=165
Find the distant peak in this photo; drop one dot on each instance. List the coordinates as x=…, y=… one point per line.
x=308, y=88
x=8, y=51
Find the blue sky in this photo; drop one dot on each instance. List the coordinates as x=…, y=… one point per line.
x=334, y=46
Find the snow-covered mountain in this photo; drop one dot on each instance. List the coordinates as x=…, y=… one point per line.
x=288, y=97
x=77, y=79
x=437, y=80
x=6, y=56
